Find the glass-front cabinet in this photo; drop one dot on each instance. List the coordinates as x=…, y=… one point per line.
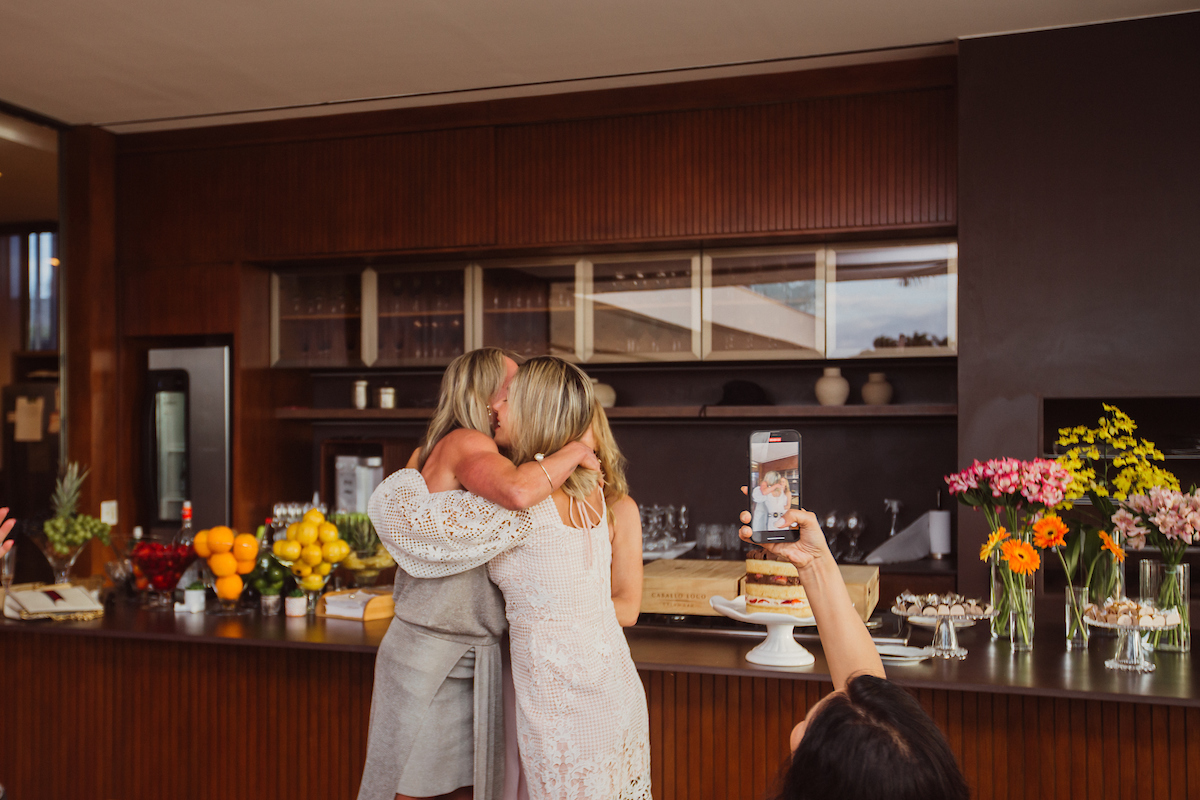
x=422, y=315
x=642, y=308
x=748, y=304
x=899, y=300
x=317, y=319
x=530, y=307
x=764, y=304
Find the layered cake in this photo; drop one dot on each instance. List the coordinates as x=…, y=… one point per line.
x=773, y=585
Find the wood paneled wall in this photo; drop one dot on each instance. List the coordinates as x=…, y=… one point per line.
x=1079, y=175
x=880, y=158
x=90, y=318
x=132, y=719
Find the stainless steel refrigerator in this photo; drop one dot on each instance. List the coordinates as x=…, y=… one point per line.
x=186, y=424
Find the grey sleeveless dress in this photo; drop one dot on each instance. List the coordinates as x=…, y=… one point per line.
x=437, y=707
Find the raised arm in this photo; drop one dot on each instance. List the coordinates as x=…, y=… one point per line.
x=472, y=460
x=626, y=535
x=844, y=638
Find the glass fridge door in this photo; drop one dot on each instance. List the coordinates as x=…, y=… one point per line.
x=169, y=442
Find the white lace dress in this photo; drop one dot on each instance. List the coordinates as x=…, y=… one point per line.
x=582, y=724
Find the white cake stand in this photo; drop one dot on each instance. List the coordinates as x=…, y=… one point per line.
x=780, y=649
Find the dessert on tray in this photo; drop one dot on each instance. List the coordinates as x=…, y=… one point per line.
x=939, y=605
x=1125, y=612
x=773, y=586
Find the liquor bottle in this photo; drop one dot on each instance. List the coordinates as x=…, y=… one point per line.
x=185, y=534
x=197, y=570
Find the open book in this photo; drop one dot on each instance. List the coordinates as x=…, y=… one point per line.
x=58, y=601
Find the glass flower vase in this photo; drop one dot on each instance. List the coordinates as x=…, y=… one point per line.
x=1077, y=630
x=999, y=599
x=1165, y=586
x=1020, y=612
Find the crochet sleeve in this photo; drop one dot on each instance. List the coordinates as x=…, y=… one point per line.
x=432, y=535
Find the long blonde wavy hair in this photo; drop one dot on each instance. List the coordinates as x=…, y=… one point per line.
x=612, y=461
x=470, y=382
x=551, y=403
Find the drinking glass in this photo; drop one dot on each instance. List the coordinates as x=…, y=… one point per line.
x=833, y=525
x=682, y=525
x=8, y=568
x=855, y=526
x=712, y=540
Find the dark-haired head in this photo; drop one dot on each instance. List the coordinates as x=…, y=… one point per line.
x=872, y=741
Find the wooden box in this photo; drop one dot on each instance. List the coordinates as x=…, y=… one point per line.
x=862, y=582
x=683, y=587
x=379, y=606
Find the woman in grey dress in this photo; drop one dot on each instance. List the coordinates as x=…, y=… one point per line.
x=436, y=728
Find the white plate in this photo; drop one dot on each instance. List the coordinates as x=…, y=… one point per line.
x=931, y=622
x=674, y=551
x=736, y=609
x=901, y=654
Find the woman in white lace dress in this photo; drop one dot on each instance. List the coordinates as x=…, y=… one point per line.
x=436, y=727
x=581, y=709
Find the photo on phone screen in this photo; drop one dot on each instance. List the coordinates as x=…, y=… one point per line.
x=774, y=485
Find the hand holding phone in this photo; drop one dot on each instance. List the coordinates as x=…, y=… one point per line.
x=774, y=484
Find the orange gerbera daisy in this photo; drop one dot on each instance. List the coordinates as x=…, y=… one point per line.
x=1049, y=531
x=1107, y=543
x=1021, y=557
x=992, y=543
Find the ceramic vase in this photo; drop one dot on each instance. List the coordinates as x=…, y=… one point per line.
x=877, y=391
x=606, y=394
x=832, y=389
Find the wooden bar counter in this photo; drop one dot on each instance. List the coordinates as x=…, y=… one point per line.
x=150, y=705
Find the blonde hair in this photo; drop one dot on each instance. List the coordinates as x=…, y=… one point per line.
x=551, y=403
x=470, y=382
x=611, y=459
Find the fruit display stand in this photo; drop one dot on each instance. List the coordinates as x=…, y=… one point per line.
x=311, y=550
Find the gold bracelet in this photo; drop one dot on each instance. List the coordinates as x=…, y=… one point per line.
x=538, y=458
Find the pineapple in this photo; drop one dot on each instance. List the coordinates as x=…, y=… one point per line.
x=67, y=488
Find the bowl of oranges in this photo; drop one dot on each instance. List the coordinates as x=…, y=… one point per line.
x=312, y=548
x=229, y=555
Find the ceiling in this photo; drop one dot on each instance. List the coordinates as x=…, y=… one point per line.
x=134, y=65
x=141, y=64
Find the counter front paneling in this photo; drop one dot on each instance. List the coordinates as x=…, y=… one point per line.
x=143, y=704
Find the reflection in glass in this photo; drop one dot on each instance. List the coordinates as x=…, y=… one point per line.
x=170, y=427
x=766, y=302
x=530, y=310
x=647, y=309
x=892, y=299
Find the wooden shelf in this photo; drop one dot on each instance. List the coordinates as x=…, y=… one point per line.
x=833, y=412
x=352, y=414
x=318, y=317
x=654, y=412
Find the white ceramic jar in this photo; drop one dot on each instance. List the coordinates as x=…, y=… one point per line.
x=832, y=389
x=877, y=391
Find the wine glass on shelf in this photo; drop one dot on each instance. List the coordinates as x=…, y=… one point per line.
x=8, y=568
x=834, y=525
x=856, y=525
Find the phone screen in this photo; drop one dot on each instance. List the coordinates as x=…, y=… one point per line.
x=774, y=484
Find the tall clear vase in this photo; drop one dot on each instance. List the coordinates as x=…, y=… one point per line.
x=999, y=599
x=1020, y=612
x=1166, y=587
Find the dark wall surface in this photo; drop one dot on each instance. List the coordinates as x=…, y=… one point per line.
x=1079, y=228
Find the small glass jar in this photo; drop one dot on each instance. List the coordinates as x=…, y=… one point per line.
x=360, y=394
x=387, y=397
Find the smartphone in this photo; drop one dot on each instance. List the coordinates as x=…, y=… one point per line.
x=774, y=484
